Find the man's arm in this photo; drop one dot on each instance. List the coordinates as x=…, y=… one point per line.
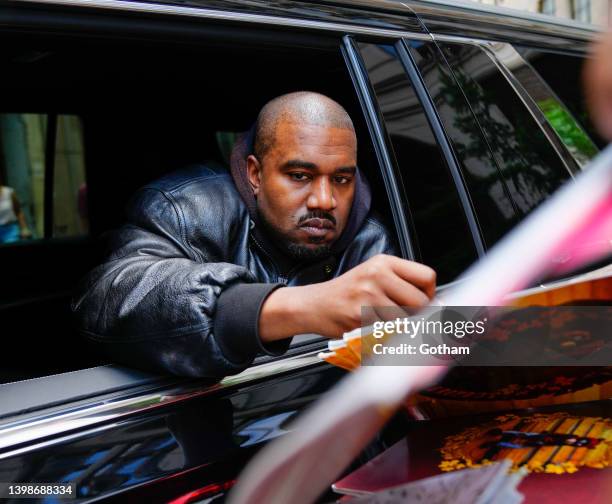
x=334, y=307
x=153, y=302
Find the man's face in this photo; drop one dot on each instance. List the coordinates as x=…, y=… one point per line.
x=305, y=185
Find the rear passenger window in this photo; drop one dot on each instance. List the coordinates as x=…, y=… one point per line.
x=443, y=237
x=565, y=106
x=24, y=167
x=489, y=194
x=530, y=167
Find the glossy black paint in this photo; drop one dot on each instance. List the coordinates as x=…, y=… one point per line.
x=198, y=442
x=514, y=27
x=413, y=15
x=383, y=15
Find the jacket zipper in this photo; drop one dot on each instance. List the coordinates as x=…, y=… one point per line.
x=279, y=277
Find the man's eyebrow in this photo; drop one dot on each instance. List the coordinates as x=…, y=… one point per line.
x=298, y=163
x=307, y=165
x=349, y=170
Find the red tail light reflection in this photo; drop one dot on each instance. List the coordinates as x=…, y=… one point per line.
x=205, y=491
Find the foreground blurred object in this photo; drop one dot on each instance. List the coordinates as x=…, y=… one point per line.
x=328, y=436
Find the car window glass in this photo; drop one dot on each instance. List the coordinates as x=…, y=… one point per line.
x=490, y=197
x=443, y=237
x=23, y=150
x=22, y=176
x=70, y=217
x=563, y=75
x=530, y=167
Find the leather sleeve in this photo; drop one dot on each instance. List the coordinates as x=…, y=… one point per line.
x=152, y=303
x=373, y=238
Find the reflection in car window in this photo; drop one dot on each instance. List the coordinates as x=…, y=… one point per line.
x=70, y=216
x=531, y=168
x=443, y=237
x=563, y=75
x=23, y=139
x=22, y=174
x=490, y=196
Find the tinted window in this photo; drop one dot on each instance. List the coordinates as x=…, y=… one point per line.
x=490, y=197
x=443, y=237
x=70, y=217
x=531, y=168
x=22, y=176
x=23, y=150
x=563, y=74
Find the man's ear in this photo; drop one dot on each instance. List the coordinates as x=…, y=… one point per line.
x=254, y=173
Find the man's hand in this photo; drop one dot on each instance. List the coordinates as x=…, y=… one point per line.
x=334, y=307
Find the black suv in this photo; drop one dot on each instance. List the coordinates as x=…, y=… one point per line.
x=466, y=122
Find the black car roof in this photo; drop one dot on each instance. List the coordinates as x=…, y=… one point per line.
x=459, y=17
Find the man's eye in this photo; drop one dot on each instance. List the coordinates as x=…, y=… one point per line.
x=342, y=180
x=300, y=177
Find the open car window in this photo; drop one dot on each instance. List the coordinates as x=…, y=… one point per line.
x=109, y=116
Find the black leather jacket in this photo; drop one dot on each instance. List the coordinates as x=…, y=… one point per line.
x=182, y=288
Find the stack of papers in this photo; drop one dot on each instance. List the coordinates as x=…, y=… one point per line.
x=491, y=484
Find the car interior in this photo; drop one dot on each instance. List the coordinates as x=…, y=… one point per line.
x=145, y=106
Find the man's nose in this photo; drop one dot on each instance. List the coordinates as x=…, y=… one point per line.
x=321, y=195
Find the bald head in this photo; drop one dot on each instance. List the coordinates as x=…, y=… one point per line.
x=302, y=107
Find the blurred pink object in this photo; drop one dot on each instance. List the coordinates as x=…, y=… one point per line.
x=590, y=243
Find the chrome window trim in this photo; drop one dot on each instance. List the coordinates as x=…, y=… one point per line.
x=514, y=18
x=77, y=419
x=453, y=38
x=196, y=12
x=469, y=40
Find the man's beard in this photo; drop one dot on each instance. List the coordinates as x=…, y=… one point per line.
x=294, y=250
x=306, y=254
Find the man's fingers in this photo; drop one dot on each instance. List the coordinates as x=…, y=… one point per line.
x=415, y=273
x=403, y=293
x=385, y=309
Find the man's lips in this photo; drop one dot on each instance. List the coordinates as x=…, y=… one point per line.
x=317, y=227
x=318, y=223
